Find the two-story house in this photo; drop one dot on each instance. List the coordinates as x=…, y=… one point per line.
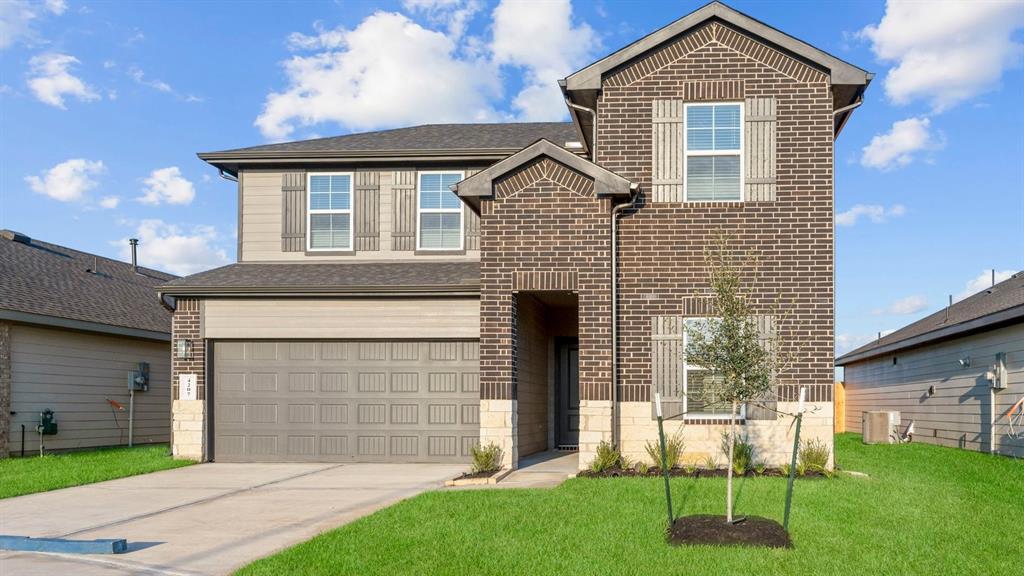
x=401, y=295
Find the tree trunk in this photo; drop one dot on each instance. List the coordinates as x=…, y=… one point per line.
x=732, y=448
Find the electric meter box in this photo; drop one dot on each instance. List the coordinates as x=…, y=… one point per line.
x=138, y=379
x=47, y=423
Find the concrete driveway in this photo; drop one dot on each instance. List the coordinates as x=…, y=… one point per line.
x=207, y=519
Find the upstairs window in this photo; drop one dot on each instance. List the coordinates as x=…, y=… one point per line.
x=714, y=158
x=439, y=224
x=330, y=211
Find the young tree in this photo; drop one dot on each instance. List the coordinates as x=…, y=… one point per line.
x=742, y=361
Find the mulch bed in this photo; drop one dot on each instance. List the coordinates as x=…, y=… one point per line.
x=470, y=475
x=696, y=473
x=715, y=531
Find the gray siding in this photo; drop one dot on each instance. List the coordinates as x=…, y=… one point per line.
x=73, y=374
x=959, y=412
x=272, y=218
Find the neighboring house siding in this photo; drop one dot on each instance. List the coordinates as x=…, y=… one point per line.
x=959, y=413
x=662, y=244
x=342, y=318
x=384, y=217
x=73, y=374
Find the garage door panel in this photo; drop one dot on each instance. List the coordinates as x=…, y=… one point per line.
x=345, y=401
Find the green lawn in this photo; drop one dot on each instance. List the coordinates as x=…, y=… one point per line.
x=924, y=510
x=27, y=475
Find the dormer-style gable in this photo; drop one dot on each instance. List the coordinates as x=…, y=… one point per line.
x=483, y=184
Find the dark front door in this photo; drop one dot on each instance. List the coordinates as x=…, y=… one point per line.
x=567, y=412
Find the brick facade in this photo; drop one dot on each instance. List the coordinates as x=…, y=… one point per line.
x=544, y=226
x=544, y=218
x=661, y=244
x=188, y=416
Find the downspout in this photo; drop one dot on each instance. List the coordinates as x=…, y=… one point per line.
x=616, y=211
x=593, y=128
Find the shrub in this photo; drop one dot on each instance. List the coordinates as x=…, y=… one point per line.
x=710, y=462
x=642, y=467
x=760, y=467
x=689, y=468
x=813, y=455
x=486, y=458
x=673, y=450
x=743, y=453
x=607, y=457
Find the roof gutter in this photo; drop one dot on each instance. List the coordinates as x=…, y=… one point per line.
x=317, y=291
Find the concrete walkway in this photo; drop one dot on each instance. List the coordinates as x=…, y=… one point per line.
x=208, y=519
x=543, y=470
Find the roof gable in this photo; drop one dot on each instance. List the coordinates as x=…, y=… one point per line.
x=481, y=184
x=840, y=72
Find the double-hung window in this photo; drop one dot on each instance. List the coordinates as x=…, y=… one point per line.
x=439, y=224
x=698, y=400
x=330, y=211
x=713, y=170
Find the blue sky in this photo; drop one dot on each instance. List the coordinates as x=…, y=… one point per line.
x=103, y=106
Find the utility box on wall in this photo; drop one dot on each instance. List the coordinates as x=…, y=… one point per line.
x=880, y=427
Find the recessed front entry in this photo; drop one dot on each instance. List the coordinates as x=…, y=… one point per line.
x=567, y=393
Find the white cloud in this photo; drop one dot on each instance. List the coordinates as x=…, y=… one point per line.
x=56, y=6
x=541, y=38
x=69, y=180
x=18, y=16
x=456, y=13
x=50, y=80
x=898, y=146
x=139, y=77
x=946, y=52
x=873, y=212
x=908, y=305
x=386, y=71
x=175, y=249
x=167, y=185
x=981, y=282
x=110, y=202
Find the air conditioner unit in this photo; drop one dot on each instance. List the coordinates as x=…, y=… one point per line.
x=881, y=426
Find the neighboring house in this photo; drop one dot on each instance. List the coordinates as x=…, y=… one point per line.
x=402, y=295
x=936, y=373
x=73, y=327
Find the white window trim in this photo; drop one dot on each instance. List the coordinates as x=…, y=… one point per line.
x=350, y=211
x=686, y=374
x=687, y=153
x=420, y=211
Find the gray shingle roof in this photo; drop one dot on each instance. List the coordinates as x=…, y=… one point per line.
x=50, y=280
x=453, y=137
x=305, y=278
x=1004, y=296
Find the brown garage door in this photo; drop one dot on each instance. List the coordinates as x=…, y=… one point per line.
x=301, y=401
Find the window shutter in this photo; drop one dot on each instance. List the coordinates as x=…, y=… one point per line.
x=403, y=212
x=667, y=151
x=759, y=150
x=293, y=211
x=764, y=409
x=367, y=210
x=471, y=223
x=667, y=363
